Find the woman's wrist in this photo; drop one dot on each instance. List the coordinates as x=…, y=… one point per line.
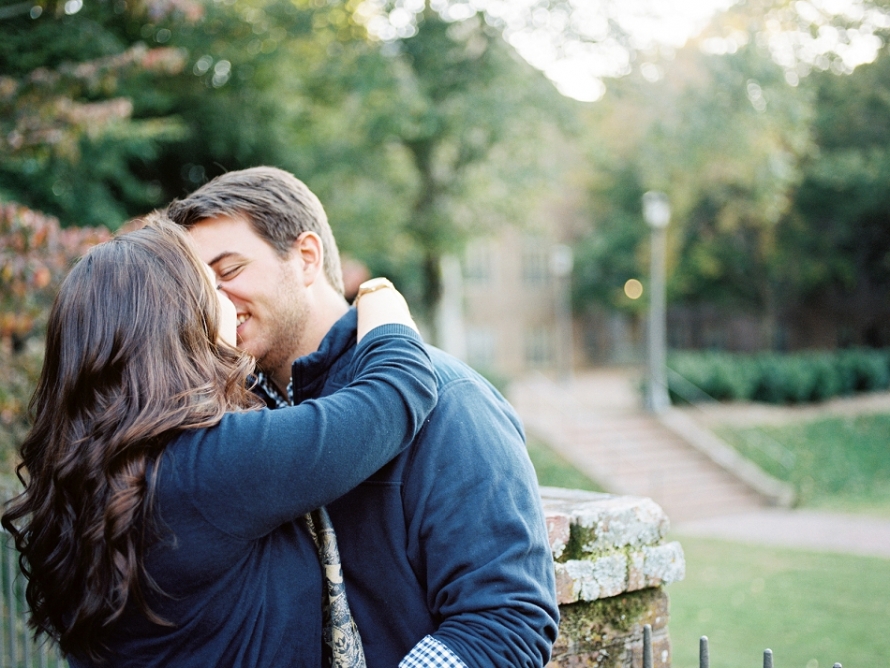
x=372, y=285
x=381, y=304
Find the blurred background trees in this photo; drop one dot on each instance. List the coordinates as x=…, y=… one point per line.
x=420, y=127
x=771, y=146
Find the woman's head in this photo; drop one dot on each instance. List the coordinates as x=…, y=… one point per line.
x=139, y=306
x=132, y=358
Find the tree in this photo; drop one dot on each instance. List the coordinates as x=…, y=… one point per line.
x=68, y=128
x=724, y=137
x=776, y=165
x=466, y=110
x=840, y=226
x=35, y=254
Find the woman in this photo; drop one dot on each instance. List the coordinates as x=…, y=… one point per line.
x=161, y=519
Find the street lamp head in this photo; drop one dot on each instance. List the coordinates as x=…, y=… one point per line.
x=656, y=209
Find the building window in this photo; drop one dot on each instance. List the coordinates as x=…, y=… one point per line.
x=535, y=261
x=480, y=347
x=539, y=347
x=478, y=261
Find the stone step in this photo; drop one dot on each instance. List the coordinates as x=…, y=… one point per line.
x=669, y=488
x=642, y=462
x=609, y=437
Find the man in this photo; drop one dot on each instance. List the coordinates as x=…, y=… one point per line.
x=444, y=550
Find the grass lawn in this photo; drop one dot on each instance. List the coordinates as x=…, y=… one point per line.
x=554, y=471
x=840, y=463
x=811, y=609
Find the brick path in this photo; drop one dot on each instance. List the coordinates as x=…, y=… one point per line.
x=595, y=420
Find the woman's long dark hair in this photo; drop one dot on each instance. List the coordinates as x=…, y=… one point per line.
x=132, y=359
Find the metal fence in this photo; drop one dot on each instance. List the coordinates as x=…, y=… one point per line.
x=704, y=655
x=17, y=650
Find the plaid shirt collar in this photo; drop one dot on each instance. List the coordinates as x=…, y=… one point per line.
x=264, y=383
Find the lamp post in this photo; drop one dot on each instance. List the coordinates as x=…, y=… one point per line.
x=561, y=262
x=657, y=213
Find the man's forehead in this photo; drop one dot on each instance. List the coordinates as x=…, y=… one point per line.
x=222, y=237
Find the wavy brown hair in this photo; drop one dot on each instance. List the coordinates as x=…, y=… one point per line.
x=132, y=359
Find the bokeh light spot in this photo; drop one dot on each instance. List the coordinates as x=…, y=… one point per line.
x=633, y=289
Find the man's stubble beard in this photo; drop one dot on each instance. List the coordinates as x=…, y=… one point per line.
x=285, y=332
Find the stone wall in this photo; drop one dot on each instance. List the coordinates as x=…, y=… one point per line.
x=611, y=567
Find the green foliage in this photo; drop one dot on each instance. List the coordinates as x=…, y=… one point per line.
x=465, y=111
x=842, y=211
x=723, y=136
x=841, y=463
x=779, y=192
x=779, y=378
x=608, y=255
x=408, y=142
x=862, y=371
x=418, y=143
x=722, y=376
x=70, y=131
x=802, y=605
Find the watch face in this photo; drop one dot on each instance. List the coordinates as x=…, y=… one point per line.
x=374, y=284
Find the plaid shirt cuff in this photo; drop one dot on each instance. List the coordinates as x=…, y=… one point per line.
x=430, y=653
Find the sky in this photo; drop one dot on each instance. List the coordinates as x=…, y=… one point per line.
x=799, y=40
x=538, y=31
x=542, y=32
x=577, y=69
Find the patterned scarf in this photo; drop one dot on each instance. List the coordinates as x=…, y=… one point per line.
x=342, y=646
x=342, y=642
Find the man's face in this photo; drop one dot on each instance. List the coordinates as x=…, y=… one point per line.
x=268, y=291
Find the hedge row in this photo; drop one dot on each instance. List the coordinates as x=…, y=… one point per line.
x=778, y=378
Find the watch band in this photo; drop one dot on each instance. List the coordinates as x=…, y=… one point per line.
x=373, y=285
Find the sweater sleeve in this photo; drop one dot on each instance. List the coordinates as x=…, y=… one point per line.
x=478, y=537
x=257, y=470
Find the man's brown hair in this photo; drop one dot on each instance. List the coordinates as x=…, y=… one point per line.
x=278, y=206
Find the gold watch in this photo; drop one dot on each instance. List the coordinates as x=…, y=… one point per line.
x=373, y=285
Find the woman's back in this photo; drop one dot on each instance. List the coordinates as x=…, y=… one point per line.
x=232, y=599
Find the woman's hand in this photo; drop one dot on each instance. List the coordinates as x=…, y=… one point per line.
x=379, y=303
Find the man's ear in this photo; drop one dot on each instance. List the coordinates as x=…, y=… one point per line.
x=309, y=251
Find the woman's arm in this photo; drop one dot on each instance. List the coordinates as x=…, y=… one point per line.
x=257, y=470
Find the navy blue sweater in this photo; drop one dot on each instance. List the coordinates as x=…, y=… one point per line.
x=449, y=538
x=240, y=571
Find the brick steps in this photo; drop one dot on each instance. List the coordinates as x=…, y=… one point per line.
x=599, y=426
